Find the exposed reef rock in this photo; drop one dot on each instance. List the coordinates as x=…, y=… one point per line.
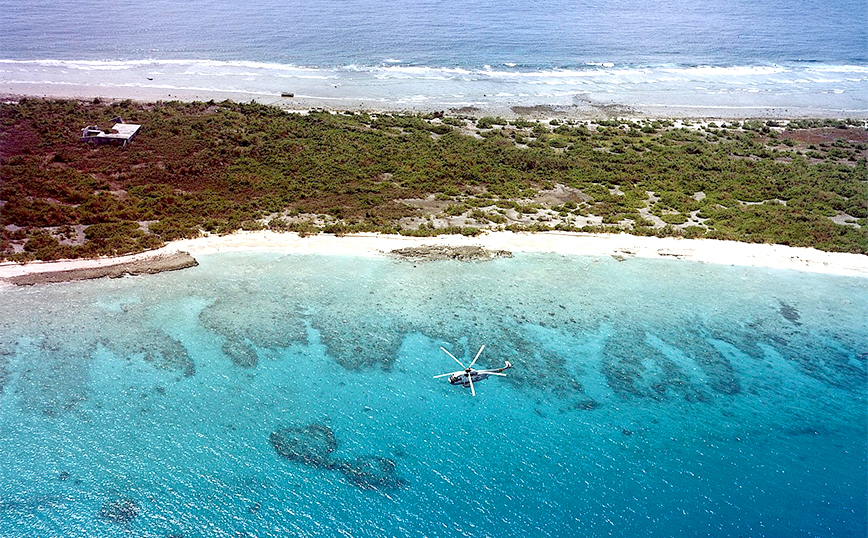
x=539, y=111
x=155, y=264
x=119, y=511
x=311, y=445
x=445, y=252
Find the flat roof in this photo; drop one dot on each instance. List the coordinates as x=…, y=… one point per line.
x=125, y=131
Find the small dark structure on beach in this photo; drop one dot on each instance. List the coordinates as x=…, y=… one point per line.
x=120, y=133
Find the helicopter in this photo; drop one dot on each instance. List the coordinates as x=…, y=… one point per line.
x=468, y=375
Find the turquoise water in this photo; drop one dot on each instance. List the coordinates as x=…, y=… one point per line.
x=649, y=397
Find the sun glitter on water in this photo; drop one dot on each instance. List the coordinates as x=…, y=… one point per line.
x=293, y=395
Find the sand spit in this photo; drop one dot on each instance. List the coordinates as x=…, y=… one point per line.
x=623, y=247
x=68, y=271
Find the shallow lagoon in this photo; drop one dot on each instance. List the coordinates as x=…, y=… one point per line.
x=649, y=397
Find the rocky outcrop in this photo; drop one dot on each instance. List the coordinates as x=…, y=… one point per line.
x=445, y=252
x=144, y=266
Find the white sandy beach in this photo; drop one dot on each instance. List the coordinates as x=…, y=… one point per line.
x=581, y=110
x=619, y=245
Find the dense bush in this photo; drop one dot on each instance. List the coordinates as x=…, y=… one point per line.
x=225, y=166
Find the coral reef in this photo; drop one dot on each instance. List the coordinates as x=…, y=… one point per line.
x=633, y=367
x=699, y=362
x=370, y=342
x=4, y=367
x=54, y=381
x=586, y=405
x=252, y=320
x=119, y=511
x=314, y=444
x=371, y=472
x=156, y=346
x=842, y=367
x=311, y=445
x=790, y=313
x=815, y=359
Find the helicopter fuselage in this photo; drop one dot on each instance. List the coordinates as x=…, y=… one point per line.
x=461, y=379
x=467, y=377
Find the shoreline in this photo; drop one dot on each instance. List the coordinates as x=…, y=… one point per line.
x=620, y=246
x=579, y=108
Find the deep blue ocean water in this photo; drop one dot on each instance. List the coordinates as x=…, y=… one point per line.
x=437, y=33
x=648, y=398
x=806, y=55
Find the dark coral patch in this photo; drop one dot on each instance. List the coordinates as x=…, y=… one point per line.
x=119, y=511
x=790, y=313
x=311, y=445
x=247, y=319
x=314, y=444
x=371, y=472
x=240, y=352
x=586, y=405
x=157, y=347
x=353, y=348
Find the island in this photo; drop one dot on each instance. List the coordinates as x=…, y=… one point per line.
x=199, y=169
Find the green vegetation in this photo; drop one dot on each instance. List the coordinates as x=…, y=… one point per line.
x=220, y=167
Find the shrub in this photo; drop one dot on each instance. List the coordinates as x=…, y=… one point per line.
x=173, y=228
x=221, y=167
x=454, y=210
x=488, y=122
x=676, y=218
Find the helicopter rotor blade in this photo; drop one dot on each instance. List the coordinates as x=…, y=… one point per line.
x=494, y=373
x=478, y=353
x=453, y=356
x=450, y=373
x=470, y=379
